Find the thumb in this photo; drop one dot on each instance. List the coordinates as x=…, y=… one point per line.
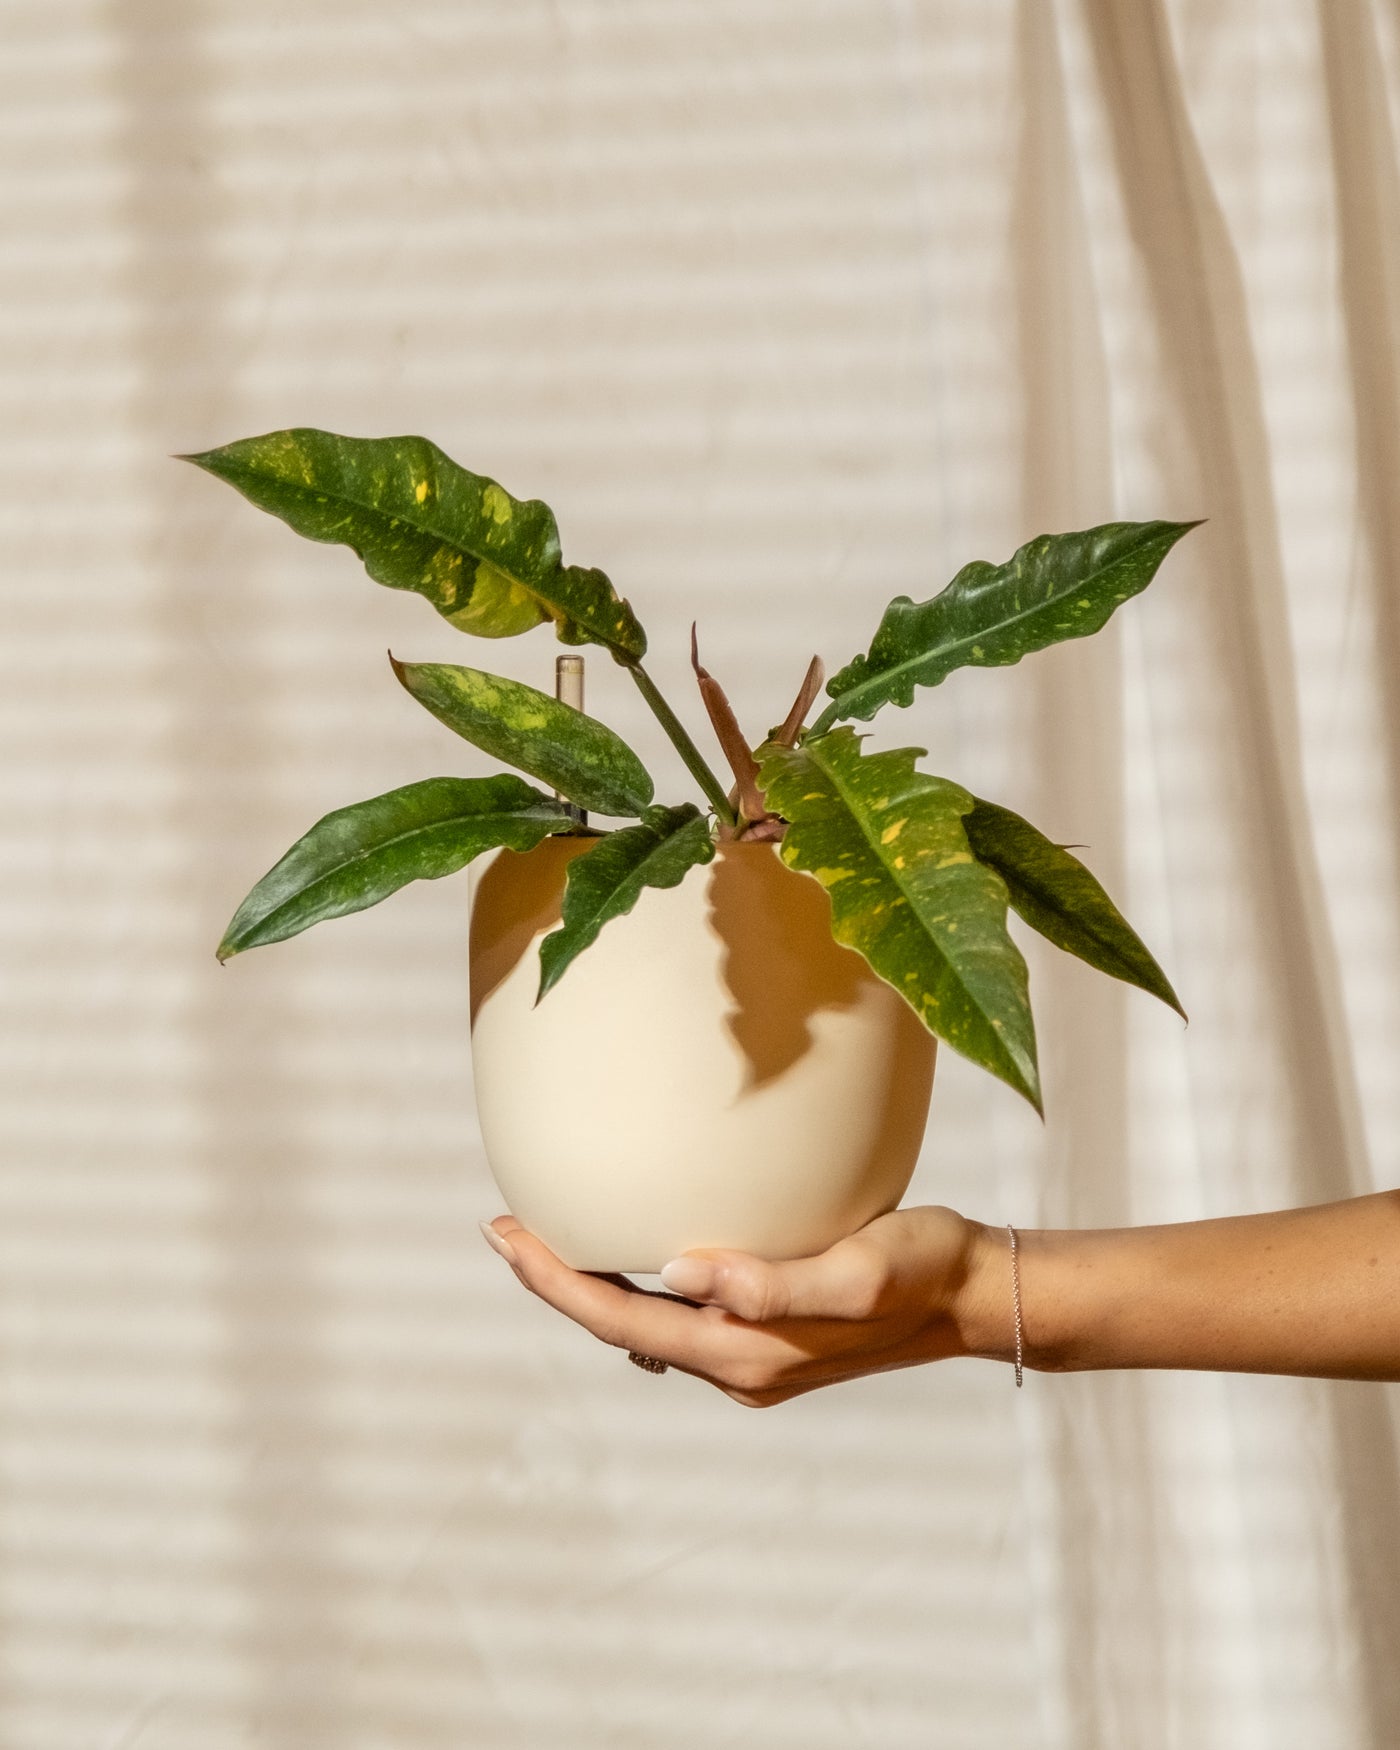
x=842, y=1283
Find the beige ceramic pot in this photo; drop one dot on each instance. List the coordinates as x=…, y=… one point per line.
x=714, y=1071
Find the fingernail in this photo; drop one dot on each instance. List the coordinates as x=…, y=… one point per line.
x=692, y=1277
x=496, y=1243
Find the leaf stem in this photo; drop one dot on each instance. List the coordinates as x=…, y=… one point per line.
x=684, y=746
x=824, y=722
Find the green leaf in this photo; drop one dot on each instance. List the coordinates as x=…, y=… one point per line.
x=359, y=855
x=607, y=881
x=886, y=841
x=1057, y=895
x=487, y=562
x=1055, y=587
x=572, y=753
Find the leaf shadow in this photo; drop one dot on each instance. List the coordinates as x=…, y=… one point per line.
x=517, y=898
x=782, y=965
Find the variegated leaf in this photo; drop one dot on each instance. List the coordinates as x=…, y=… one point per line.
x=487, y=562
x=887, y=843
x=607, y=881
x=359, y=855
x=574, y=754
x=1058, y=896
x=1053, y=588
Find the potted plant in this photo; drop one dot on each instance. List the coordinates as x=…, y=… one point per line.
x=716, y=1026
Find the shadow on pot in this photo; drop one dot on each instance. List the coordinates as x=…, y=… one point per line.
x=781, y=965
x=520, y=892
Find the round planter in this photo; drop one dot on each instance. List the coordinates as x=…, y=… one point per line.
x=714, y=1070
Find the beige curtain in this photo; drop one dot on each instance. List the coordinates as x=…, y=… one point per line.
x=785, y=309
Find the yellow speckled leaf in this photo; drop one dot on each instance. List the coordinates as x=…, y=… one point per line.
x=887, y=843
x=1053, y=588
x=359, y=855
x=574, y=754
x=607, y=881
x=487, y=562
x=1057, y=895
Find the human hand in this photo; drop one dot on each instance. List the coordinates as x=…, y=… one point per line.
x=916, y=1285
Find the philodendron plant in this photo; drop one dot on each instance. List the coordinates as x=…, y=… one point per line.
x=919, y=872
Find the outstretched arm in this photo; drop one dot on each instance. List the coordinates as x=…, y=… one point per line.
x=1311, y=1291
x=1307, y=1291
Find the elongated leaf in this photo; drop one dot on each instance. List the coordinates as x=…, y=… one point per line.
x=577, y=755
x=791, y=725
x=359, y=855
x=1057, y=895
x=487, y=562
x=607, y=881
x=1055, y=587
x=746, y=795
x=886, y=841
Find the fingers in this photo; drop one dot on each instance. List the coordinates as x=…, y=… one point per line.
x=764, y=1332
x=695, y=1339
x=846, y=1282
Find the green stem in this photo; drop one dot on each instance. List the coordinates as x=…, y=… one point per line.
x=823, y=723
x=684, y=746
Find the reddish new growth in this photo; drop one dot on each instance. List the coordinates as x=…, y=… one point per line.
x=756, y=820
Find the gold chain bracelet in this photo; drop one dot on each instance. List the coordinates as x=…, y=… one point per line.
x=1016, y=1298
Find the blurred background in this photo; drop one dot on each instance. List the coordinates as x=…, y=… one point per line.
x=784, y=309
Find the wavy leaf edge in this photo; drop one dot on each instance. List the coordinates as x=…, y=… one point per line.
x=1063, y=900
x=972, y=991
x=894, y=665
x=658, y=852
x=425, y=523
x=345, y=863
